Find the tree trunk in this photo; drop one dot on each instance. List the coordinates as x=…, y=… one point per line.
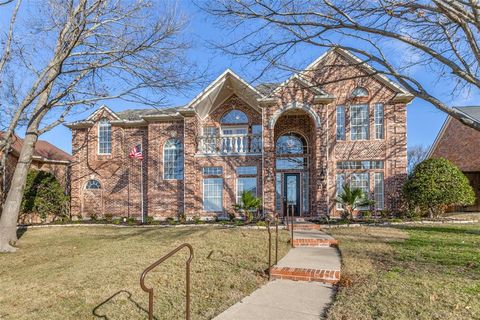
x=11, y=207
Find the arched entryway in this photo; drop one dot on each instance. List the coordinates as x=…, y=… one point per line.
x=295, y=141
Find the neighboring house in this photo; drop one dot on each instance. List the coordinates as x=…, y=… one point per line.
x=461, y=145
x=298, y=141
x=46, y=157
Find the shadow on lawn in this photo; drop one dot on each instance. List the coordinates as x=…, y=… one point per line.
x=21, y=232
x=119, y=305
x=439, y=229
x=224, y=258
x=171, y=233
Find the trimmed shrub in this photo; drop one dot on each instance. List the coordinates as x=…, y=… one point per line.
x=44, y=196
x=434, y=185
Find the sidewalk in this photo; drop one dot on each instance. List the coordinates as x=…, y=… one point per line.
x=302, y=288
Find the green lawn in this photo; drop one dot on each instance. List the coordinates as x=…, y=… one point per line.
x=93, y=273
x=417, y=272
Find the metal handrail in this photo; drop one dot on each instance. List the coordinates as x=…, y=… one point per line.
x=270, y=245
x=269, y=250
x=154, y=265
x=291, y=224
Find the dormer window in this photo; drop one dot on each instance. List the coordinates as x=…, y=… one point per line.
x=234, y=117
x=359, y=92
x=104, y=137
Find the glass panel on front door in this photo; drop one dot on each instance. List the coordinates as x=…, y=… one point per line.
x=292, y=192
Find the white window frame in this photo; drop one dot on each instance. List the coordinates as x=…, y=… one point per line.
x=360, y=125
x=356, y=92
x=215, y=197
x=234, y=123
x=212, y=171
x=341, y=123
x=178, y=162
x=364, y=188
x=234, y=128
x=379, y=121
x=96, y=180
x=239, y=192
x=379, y=190
x=247, y=170
x=340, y=180
x=104, y=127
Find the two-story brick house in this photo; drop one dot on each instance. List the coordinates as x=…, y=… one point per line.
x=296, y=142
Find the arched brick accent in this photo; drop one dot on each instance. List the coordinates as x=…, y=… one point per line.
x=292, y=106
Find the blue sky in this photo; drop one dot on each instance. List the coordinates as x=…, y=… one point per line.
x=424, y=121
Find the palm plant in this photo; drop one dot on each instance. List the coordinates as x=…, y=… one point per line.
x=351, y=199
x=248, y=204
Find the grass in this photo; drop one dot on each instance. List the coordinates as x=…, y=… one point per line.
x=93, y=273
x=414, y=272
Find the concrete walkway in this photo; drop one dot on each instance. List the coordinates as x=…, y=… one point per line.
x=302, y=286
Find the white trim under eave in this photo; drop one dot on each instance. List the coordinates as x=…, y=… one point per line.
x=103, y=107
x=79, y=124
x=45, y=160
x=439, y=136
x=217, y=82
x=305, y=83
x=380, y=77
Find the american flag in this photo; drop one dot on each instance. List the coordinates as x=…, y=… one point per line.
x=136, y=152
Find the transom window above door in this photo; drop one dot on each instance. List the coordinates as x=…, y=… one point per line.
x=290, y=143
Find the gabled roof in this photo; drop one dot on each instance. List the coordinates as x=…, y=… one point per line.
x=138, y=114
x=44, y=151
x=222, y=88
x=320, y=94
x=472, y=112
x=99, y=110
x=402, y=93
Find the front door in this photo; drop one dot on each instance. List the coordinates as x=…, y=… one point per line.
x=291, y=192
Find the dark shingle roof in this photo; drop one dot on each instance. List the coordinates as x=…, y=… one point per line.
x=266, y=88
x=471, y=111
x=42, y=149
x=136, y=114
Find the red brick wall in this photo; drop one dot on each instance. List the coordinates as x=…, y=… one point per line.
x=118, y=175
x=392, y=149
x=460, y=145
x=194, y=163
x=168, y=198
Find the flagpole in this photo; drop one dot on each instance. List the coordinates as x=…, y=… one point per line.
x=141, y=188
x=128, y=189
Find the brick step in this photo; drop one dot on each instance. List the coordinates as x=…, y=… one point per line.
x=304, y=226
x=301, y=242
x=301, y=274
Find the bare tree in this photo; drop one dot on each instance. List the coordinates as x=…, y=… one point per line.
x=441, y=36
x=77, y=53
x=415, y=155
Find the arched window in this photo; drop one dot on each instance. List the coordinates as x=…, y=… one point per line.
x=173, y=160
x=93, y=184
x=359, y=92
x=234, y=117
x=290, y=143
x=104, y=137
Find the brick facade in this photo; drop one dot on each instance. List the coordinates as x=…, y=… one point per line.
x=460, y=144
x=305, y=106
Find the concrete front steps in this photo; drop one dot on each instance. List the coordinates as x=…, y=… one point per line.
x=318, y=264
x=313, y=257
x=302, y=282
x=312, y=238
